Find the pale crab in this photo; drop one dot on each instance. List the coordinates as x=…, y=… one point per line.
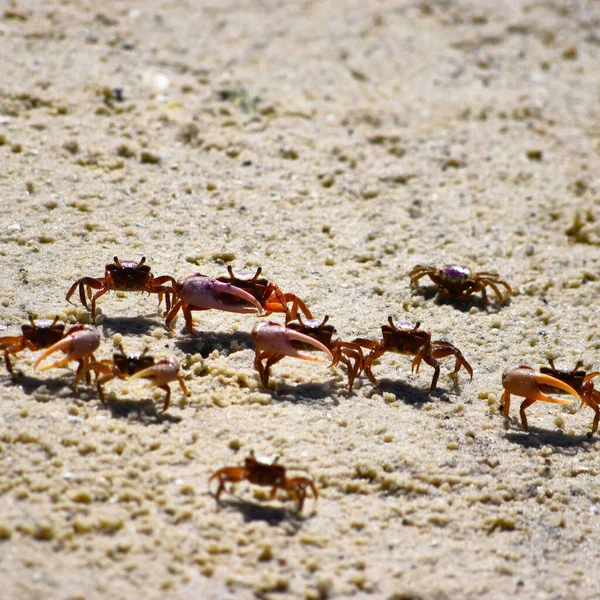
x=458, y=282
x=265, y=474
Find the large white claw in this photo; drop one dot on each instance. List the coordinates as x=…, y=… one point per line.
x=277, y=339
x=205, y=292
x=80, y=341
x=162, y=372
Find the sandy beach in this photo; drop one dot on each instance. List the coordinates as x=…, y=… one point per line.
x=335, y=145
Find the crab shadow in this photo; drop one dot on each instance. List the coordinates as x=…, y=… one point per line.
x=127, y=325
x=306, y=393
x=465, y=305
x=32, y=386
x=538, y=437
x=415, y=396
x=222, y=342
x=142, y=411
x=271, y=515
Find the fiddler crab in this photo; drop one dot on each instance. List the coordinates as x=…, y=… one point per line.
x=581, y=382
x=138, y=366
x=526, y=382
x=37, y=335
x=268, y=294
x=407, y=338
x=458, y=282
x=123, y=276
x=348, y=353
x=274, y=342
x=196, y=291
x=79, y=343
x=265, y=474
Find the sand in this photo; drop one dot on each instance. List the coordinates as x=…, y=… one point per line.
x=336, y=145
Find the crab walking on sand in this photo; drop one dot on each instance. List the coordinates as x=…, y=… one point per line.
x=123, y=276
x=274, y=342
x=526, y=382
x=195, y=291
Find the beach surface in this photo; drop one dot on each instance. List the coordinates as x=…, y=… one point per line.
x=335, y=145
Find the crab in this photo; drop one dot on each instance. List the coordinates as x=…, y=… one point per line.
x=526, y=382
x=268, y=294
x=581, y=382
x=274, y=342
x=135, y=366
x=196, y=291
x=37, y=335
x=79, y=343
x=458, y=282
x=349, y=353
x=265, y=474
x=406, y=338
x=123, y=276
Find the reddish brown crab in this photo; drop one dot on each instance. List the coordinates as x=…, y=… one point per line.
x=265, y=474
x=37, y=335
x=268, y=294
x=123, y=276
x=348, y=353
x=458, y=282
x=135, y=366
x=406, y=338
x=526, y=382
x=196, y=291
x=274, y=342
x=79, y=343
x=581, y=382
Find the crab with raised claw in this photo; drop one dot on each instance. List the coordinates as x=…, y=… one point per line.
x=581, y=382
x=37, y=335
x=458, y=282
x=196, y=291
x=268, y=294
x=348, y=353
x=123, y=276
x=526, y=382
x=135, y=366
x=407, y=338
x=274, y=342
x=79, y=343
x=265, y=474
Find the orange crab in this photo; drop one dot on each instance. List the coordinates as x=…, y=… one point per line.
x=136, y=366
x=458, y=282
x=526, y=382
x=123, y=276
x=79, y=343
x=407, y=338
x=581, y=382
x=268, y=294
x=196, y=291
x=265, y=474
x=37, y=335
x=349, y=353
x=274, y=342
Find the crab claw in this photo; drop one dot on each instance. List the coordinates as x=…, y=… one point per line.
x=160, y=373
x=78, y=343
x=524, y=381
x=205, y=292
x=276, y=339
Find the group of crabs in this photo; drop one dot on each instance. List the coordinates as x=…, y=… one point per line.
x=251, y=293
